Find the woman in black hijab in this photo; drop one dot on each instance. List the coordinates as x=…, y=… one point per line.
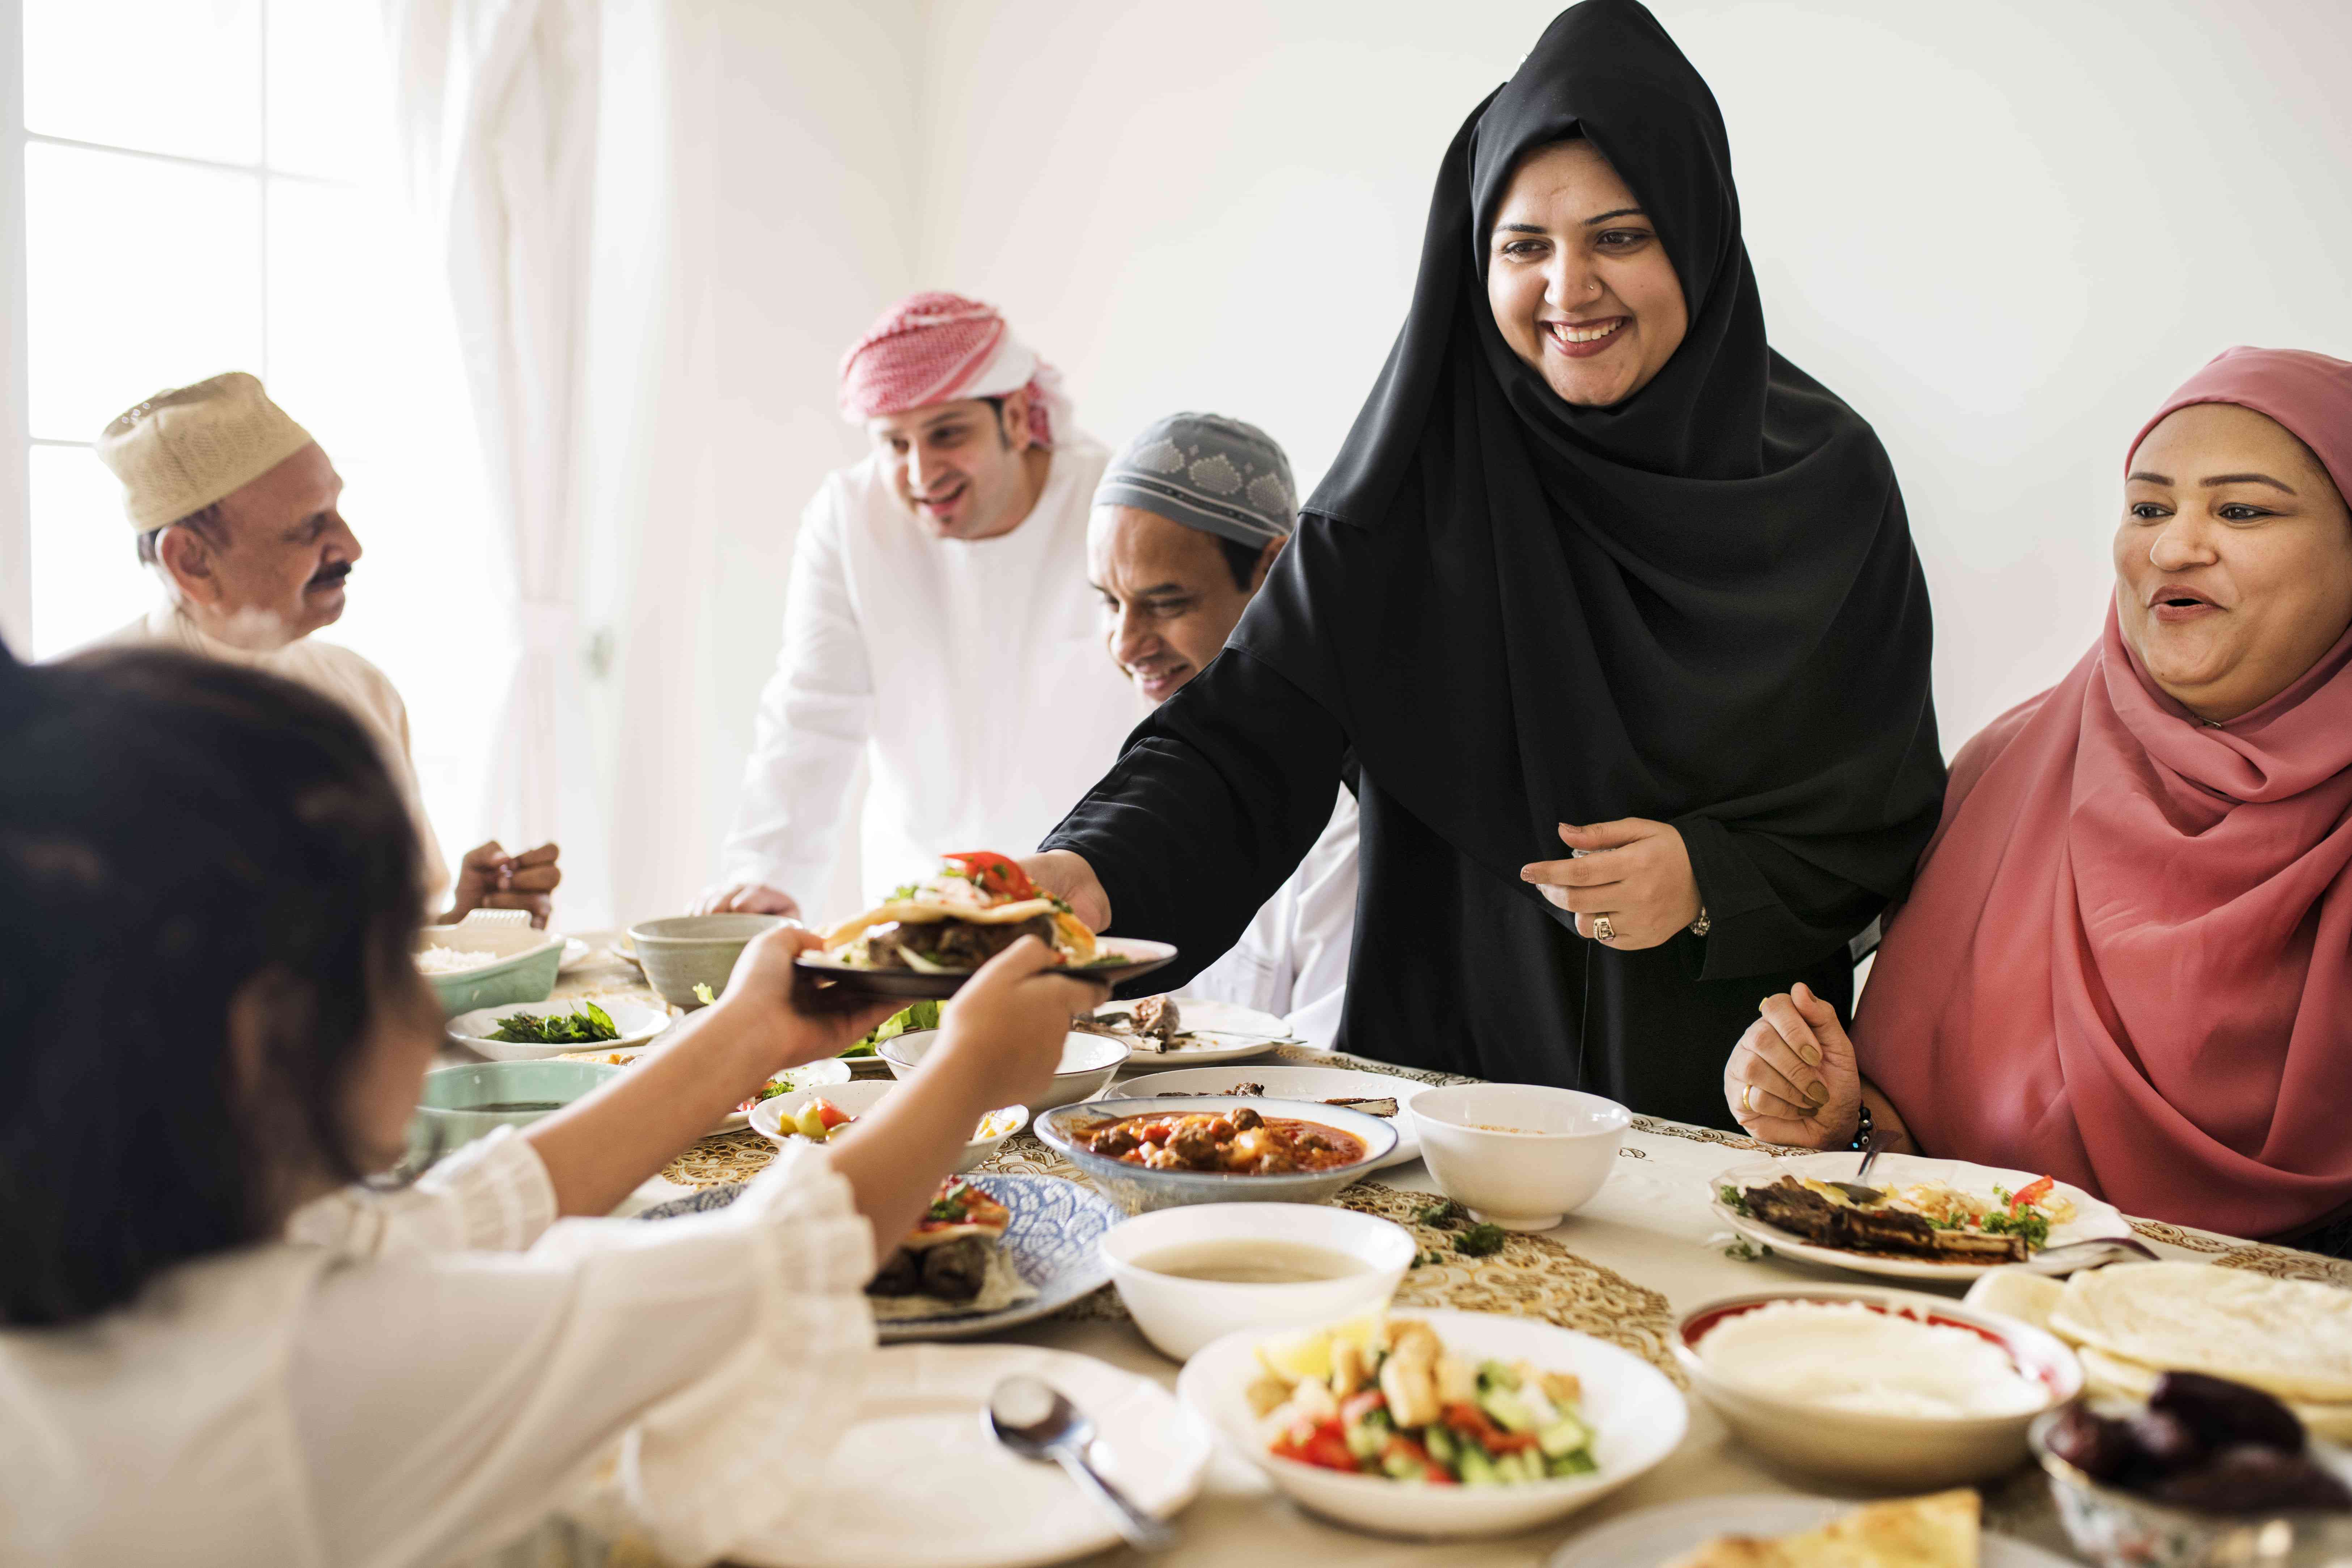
x=1593, y=555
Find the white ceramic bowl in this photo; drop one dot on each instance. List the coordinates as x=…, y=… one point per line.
x=1636, y=1414
x=638, y=1025
x=1520, y=1155
x=1179, y=1316
x=1088, y=1064
x=1914, y=1452
x=857, y=1099
x=1138, y=1189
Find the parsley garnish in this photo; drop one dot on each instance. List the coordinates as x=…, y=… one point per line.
x=585, y=1024
x=1480, y=1241
x=1733, y=1199
x=1438, y=1214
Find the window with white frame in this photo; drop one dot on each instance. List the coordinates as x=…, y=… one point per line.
x=209, y=186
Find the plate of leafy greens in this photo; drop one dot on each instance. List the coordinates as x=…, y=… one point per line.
x=527, y=1031
x=861, y=1056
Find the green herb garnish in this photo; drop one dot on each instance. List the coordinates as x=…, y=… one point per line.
x=585, y=1025
x=902, y=892
x=704, y=994
x=1480, y=1241
x=951, y=1205
x=1440, y=1212
x=1744, y=1251
x=905, y=1021
x=1733, y=1198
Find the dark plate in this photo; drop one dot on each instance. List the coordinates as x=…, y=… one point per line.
x=1143, y=958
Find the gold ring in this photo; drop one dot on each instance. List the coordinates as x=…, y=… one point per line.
x=1601, y=929
x=1745, y=1091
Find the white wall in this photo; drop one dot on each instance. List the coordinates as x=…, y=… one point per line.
x=2001, y=231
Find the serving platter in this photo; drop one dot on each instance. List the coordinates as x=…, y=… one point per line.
x=2093, y=1219
x=1138, y=958
x=1213, y=1032
x=1660, y=1534
x=1050, y=1240
x=639, y=1024
x=1285, y=1082
x=918, y=1482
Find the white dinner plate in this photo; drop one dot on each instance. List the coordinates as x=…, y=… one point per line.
x=575, y=953
x=639, y=1024
x=1281, y=1081
x=1220, y=1031
x=918, y=1482
x=1659, y=1534
x=2093, y=1219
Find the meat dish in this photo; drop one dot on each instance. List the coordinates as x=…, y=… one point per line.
x=976, y=906
x=1928, y=1220
x=1230, y=1143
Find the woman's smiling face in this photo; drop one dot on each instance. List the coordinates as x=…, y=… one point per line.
x=1578, y=281
x=2233, y=561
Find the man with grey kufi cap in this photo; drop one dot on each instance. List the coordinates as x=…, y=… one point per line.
x=238, y=513
x=1187, y=522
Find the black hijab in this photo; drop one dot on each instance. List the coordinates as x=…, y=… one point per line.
x=1701, y=603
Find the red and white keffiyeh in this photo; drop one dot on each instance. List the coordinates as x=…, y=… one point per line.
x=936, y=347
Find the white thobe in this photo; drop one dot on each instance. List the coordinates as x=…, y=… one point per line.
x=334, y=671
x=973, y=677
x=368, y=1393
x=1292, y=962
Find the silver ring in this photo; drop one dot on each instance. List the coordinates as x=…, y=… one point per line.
x=1601, y=929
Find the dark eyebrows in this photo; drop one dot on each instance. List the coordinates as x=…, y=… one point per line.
x=2220, y=480
x=2142, y=477
x=1616, y=211
x=1520, y=228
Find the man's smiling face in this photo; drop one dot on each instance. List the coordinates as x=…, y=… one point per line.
x=1169, y=595
x=269, y=568
x=962, y=468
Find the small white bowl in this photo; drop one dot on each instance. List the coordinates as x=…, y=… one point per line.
x=1088, y=1064
x=1915, y=1452
x=639, y=1024
x=1179, y=1315
x=856, y=1100
x=1520, y=1155
x=1637, y=1417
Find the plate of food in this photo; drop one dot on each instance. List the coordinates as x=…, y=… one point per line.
x=820, y=1115
x=1220, y=1149
x=1371, y=1093
x=1436, y=1423
x=530, y=1031
x=1765, y=1530
x=917, y=1481
x=926, y=938
x=1918, y=1218
x=1185, y=1031
x=1012, y=1249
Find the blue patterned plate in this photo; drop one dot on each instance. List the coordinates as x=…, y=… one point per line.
x=1051, y=1240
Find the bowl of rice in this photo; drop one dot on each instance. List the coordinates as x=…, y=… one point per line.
x=472, y=966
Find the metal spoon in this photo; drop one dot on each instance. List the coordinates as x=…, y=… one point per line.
x=1035, y=1421
x=1855, y=1189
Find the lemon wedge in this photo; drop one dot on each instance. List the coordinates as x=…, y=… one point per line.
x=1299, y=1357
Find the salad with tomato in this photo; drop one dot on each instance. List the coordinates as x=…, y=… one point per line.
x=1382, y=1396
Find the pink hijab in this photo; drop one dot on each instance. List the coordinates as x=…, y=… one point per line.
x=2127, y=959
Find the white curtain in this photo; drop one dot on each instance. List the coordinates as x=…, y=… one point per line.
x=497, y=101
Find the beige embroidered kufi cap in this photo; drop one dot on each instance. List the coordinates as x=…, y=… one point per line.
x=184, y=448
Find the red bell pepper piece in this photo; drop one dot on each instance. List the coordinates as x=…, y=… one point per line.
x=2030, y=1194
x=993, y=873
x=1319, y=1443
x=1473, y=1422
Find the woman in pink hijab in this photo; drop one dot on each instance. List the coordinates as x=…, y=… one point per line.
x=2126, y=961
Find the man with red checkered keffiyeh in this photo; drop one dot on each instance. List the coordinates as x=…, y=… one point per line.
x=937, y=624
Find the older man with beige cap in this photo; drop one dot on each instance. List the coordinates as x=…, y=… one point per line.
x=237, y=509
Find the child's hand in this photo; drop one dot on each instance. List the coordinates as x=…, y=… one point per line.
x=1009, y=1020
x=760, y=994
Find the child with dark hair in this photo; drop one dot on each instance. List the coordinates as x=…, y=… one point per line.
x=214, y=1347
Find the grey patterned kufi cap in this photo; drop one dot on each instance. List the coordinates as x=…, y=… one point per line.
x=1209, y=472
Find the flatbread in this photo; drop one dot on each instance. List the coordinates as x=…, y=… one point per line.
x=2288, y=1337
x=1004, y=1288
x=1071, y=933
x=2017, y=1293
x=1935, y=1532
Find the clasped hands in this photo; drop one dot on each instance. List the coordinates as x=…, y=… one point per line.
x=1635, y=871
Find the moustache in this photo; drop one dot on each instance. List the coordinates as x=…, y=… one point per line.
x=330, y=576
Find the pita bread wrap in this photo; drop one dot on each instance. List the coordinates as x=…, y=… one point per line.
x=976, y=892
x=2292, y=1337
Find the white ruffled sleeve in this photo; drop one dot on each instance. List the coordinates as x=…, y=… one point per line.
x=492, y=1195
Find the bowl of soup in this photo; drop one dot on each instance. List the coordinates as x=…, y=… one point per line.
x=1192, y=1275
x=1520, y=1155
x=460, y=1104
x=1147, y=1154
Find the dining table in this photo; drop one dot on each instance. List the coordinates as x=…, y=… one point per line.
x=1646, y=1250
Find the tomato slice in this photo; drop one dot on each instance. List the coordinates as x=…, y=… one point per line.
x=831, y=1114
x=2031, y=1193
x=994, y=874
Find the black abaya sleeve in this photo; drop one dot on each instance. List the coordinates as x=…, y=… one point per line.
x=1218, y=796
x=1771, y=908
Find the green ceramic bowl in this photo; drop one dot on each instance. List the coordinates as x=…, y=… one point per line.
x=460, y=1104
x=525, y=971
x=686, y=951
